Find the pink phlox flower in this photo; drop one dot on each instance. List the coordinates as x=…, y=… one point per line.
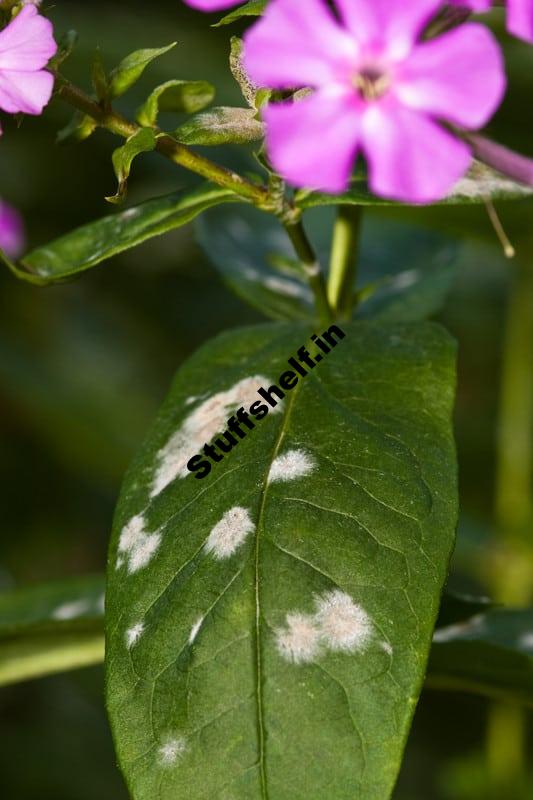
x=519, y=15
x=378, y=91
x=213, y=5
x=12, y=237
x=26, y=46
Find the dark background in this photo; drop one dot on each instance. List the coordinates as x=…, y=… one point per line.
x=84, y=366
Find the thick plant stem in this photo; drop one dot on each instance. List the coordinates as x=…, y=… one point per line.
x=178, y=153
x=343, y=265
x=306, y=254
x=512, y=578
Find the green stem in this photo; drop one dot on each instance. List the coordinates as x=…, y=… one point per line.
x=343, y=265
x=512, y=578
x=304, y=251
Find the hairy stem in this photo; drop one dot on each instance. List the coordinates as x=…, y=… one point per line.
x=343, y=264
x=306, y=254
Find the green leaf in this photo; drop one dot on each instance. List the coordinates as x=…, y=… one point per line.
x=221, y=125
x=177, y=96
x=480, y=184
x=78, y=129
x=489, y=654
x=406, y=270
x=217, y=587
x=66, y=46
x=51, y=628
x=91, y=244
x=132, y=67
x=143, y=141
x=253, y=8
x=254, y=96
x=99, y=78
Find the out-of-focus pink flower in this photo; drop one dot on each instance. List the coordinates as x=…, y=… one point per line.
x=26, y=46
x=12, y=237
x=213, y=5
x=519, y=15
x=378, y=91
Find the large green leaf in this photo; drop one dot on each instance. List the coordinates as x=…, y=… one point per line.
x=91, y=244
x=221, y=125
x=405, y=271
x=491, y=654
x=268, y=626
x=51, y=628
x=188, y=97
x=132, y=67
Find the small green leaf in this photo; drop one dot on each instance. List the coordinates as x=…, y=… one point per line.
x=91, y=244
x=268, y=627
x=178, y=96
x=66, y=45
x=221, y=125
x=248, y=89
x=78, y=129
x=99, y=78
x=480, y=184
x=143, y=141
x=132, y=67
x=253, y=8
x=51, y=628
x=489, y=654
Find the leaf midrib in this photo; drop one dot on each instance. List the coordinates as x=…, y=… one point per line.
x=264, y=491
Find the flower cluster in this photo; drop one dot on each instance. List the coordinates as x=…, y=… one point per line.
x=378, y=89
x=26, y=46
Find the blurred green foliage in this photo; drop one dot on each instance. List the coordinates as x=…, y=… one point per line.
x=84, y=366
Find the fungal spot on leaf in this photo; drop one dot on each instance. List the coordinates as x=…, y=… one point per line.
x=171, y=750
x=136, y=545
x=194, y=630
x=299, y=642
x=228, y=534
x=71, y=610
x=339, y=624
x=200, y=427
x=291, y=465
x=344, y=625
x=133, y=634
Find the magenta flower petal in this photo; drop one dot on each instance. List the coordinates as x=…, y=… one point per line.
x=410, y=157
x=396, y=22
x=27, y=43
x=520, y=19
x=298, y=44
x=314, y=142
x=212, y=5
x=12, y=237
x=460, y=76
x=26, y=92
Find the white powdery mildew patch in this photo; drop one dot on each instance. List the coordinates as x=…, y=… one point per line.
x=387, y=648
x=133, y=634
x=228, y=534
x=195, y=629
x=136, y=545
x=291, y=465
x=171, y=750
x=344, y=624
x=200, y=427
x=299, y=642
x=71, y=610
x=339, y=625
